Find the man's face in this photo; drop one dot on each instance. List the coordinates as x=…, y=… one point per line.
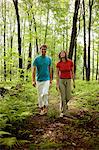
x=43, y=51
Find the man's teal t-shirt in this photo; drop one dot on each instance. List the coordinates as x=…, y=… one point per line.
x=42, y=64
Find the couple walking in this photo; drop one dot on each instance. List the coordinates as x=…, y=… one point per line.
x=42, y=78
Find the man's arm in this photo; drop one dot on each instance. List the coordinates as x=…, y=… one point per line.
x=33, y=76
x=51, y=76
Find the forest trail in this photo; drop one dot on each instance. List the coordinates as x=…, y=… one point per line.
x=50, y=132
x=30, y=131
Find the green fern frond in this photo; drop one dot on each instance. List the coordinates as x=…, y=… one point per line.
x=10, y=141
x=4, y=133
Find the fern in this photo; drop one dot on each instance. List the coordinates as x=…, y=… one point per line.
x=10, y=141
x=4, y=133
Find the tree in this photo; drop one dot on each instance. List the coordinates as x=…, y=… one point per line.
x=93, y=60
x=84, y=24
x=19, y=36
x=89, y=38
x=36, y=38
x=4, y=18
x=74, y=29
x=97, y=68
x=46, y=25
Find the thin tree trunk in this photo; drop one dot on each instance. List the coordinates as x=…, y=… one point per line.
x=93, y=59
x=1, y=61
x=75, y=54
x=30, y=46
x=11, y=42
x=84, y=58
x=23, y=44
x=63, y=41
x=89, y=39
x=97, y=70
x=35, y=28
x=54, y=52
x=12, y=30
x=74, y=29
x=40, y=32
x=46, y=26
x=4, y=40
x=66, y=34
x=19, y=37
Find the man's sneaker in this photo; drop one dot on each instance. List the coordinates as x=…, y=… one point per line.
x=42, y=112
x=61, y=115
x=45, y=110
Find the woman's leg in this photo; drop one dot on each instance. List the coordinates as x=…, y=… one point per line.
x=62, y=92
x=68, y=90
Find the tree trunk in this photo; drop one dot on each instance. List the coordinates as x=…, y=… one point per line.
x=93, y=59
x=97, y=70
x=23, y=44
x=84, y=57
x=46, y=26
x=35, y=28
x=4, y=17
x=11, y=43
x=1, y=61
x=74, y=29
x=66, y=34
x=63, y=41
x=75, y=54
x=12, y=30
x=30, y=46
x=19, y=37
x=89, y=39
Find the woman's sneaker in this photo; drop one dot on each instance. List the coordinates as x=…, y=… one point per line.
x=61, y=115
x=45, y=109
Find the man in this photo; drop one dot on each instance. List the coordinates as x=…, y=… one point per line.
x=42, y=77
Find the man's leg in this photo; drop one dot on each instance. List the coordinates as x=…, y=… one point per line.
x=45, y=96
x=40, y=97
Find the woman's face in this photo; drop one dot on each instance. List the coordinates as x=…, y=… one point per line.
x=62, y=54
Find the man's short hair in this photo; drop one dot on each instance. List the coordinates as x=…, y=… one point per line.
x=45, y=46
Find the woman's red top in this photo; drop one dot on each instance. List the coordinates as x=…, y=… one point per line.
x=65, y=69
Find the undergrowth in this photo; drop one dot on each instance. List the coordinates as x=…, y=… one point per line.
x=21, y=102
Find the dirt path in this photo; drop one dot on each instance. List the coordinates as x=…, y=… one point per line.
x=78, y=131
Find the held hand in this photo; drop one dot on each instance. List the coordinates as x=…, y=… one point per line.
x=34, y=83
x=73, y=83
x=57, y=87
x=50, y=83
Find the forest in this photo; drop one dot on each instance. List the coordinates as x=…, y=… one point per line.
x=69, y=25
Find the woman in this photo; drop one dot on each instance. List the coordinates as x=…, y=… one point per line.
x=65, y=73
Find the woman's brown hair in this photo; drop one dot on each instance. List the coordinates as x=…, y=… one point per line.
x=60, y=55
